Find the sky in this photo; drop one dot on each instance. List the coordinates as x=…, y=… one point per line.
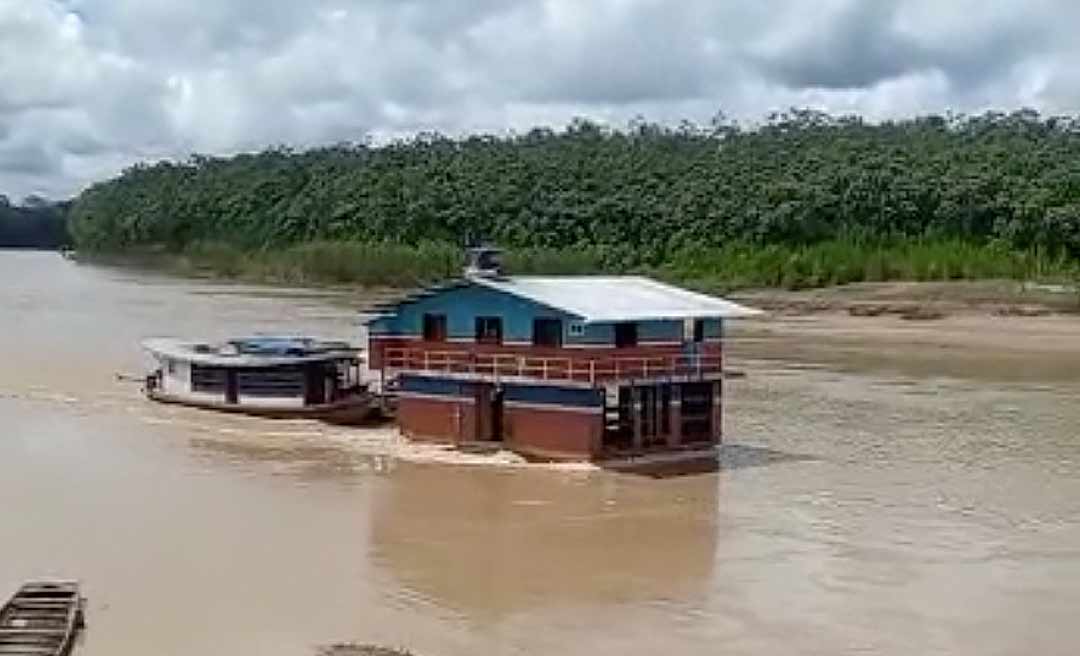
x=88, y=87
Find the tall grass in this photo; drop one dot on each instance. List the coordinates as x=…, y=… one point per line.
x=835, y=262
x=324, y=262
x=844, y=261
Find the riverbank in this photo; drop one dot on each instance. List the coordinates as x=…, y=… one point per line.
x=925, y=300
x=382, y=271
x=738, y=266
x=990, y=330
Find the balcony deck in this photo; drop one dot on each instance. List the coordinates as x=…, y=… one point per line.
x=585, y=370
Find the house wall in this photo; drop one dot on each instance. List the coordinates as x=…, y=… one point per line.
x=463, y=304
x=546, y=422
x=553, y=422
x=461, y=307
x=436, y=420
x=553, y=433
x=437, y=410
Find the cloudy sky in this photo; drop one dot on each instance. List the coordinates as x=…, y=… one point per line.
x=90, y=86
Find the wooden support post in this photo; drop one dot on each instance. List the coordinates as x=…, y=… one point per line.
x=635, y=409
x=675, y=412
x=718, y=412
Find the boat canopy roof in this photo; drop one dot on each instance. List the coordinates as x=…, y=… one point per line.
x=252, y=351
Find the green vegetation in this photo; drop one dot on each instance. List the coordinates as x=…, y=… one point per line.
x=36, y=223
x=805, y=199
x=838, y=262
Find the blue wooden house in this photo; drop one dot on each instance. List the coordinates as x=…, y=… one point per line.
x=563, y=367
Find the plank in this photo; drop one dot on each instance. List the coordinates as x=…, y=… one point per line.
x=35, y=617
x=30, y=644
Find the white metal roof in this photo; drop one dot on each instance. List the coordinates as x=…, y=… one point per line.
x=603, y=299
x=216, y=356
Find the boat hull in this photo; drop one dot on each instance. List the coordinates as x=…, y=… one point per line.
x=42, y=618
x=352, y=410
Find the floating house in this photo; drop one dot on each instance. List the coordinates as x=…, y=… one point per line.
x=555, y=367
x=286, y=377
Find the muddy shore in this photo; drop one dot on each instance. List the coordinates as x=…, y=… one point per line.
x=999, y=331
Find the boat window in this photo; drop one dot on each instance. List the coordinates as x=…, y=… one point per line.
x=547, y=332
x=434, y=327
x=489, y=330
x=208, y=380
x=626, y=335
x=285, y=382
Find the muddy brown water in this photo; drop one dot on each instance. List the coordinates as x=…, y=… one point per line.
x=859, y=508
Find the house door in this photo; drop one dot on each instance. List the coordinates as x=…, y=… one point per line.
x=489, y=413
x=697, y=413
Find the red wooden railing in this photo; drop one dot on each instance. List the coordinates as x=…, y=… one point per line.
x=582, y=369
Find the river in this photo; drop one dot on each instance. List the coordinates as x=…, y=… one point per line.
x=857, y=509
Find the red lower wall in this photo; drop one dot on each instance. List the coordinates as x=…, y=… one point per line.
x=436, y=420
x=529, y=430
x=554, y=434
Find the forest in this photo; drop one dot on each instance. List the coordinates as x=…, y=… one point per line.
x=34, y=223
x=802, y=198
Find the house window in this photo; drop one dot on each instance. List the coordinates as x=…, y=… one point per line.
x=489, y=330
x=547, y=332
x=699, y=330
x=577, y=329
x=625, y=335
x=434, y=327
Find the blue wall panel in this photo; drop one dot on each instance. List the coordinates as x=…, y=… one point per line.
x=462, y=305
x=435, y=386
x=583, y=398
x=714, y=328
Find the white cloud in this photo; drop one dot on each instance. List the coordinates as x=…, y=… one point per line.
x=90, y=86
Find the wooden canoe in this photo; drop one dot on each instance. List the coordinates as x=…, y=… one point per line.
x=41, y=619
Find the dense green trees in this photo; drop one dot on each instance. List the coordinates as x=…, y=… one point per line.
x=646, y=196
x=36, y=223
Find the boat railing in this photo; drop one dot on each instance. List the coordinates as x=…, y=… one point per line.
x=581, y=369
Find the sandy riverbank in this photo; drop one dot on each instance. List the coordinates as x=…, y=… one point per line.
x=990, y=330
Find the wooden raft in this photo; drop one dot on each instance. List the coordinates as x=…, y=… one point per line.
x=41, y=619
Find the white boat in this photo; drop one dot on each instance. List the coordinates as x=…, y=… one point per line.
x=286, y=377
